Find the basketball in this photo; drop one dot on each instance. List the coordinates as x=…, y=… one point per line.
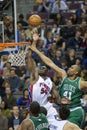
x=34, y=20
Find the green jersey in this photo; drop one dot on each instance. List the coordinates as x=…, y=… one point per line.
x=71, y=90
x=40, y=122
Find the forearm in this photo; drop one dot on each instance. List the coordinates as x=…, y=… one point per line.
x=50, y=63
x=31, y=65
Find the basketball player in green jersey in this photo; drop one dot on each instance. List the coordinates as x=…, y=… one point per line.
x=71, y=87
x=36, y=121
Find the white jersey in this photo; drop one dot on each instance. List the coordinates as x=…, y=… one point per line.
x=41, y=90
x=59, y=125
x=53, y=119
x=52, y=115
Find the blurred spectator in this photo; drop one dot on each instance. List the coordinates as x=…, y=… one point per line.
x=83, y=18
x=9, y=99
x=1, y=79
x=60, y=42
x=68, y=31
x=84, y=2
x=44, y=6
x=64, y=64
x=23, y=102
x=55, y=29
x=9, y=31
x=52, y=50
x=81, y=10
x=28, y=33
x=84, y=75
x=6, y=74
x=59, y=6
x=22, y=21
x=15, y=82
x=15, y=119
x=0, y=99
x=57, y=58
x=75, y=42
x=49, y=40
x=84, y=42
x=78, y=61
x=3, y=121
x=84, y=60
x=1, y=65
x=7, y=65
x=43, y=30
x=4, y=57
x=3, y=87
x=59, y=19
x=70, y=57
x=21, y=71
x=74, y=18
x=83, y=27
x=5, y=111
x=21, y=32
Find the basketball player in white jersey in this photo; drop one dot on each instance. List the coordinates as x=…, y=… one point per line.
x=41, y=87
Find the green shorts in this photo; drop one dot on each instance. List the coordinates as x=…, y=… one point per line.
x=77, y=116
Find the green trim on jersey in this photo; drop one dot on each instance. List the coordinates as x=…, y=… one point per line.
x=70, y=89
x=40, y=122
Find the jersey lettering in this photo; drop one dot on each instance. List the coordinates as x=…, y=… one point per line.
x=67, y=94
x=44, y=88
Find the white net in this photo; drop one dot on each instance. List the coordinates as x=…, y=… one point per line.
x=17, y=59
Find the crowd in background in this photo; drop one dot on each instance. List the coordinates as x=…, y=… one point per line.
x=64, y=41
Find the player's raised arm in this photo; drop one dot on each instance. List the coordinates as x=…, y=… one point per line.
x=48, y=61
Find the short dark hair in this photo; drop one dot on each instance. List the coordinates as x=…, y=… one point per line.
x=35, y=108
x=43, y=110
x=21, y=16
x=64, y=112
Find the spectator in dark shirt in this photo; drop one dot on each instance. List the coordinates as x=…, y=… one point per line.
x=15, y=120
x=2, y=89
x=84, y=42
x=83, y=27
x=76, y=41
x=15, y=82
x=59, y=19
x=68, y=31
x=22, y=21
x=9, y=99
x=70, y=57
x=74, y=18
x=60, y=42
x=57, y=58
x=1, y=82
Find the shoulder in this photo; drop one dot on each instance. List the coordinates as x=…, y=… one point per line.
x=71, y=126
x=26, y=122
